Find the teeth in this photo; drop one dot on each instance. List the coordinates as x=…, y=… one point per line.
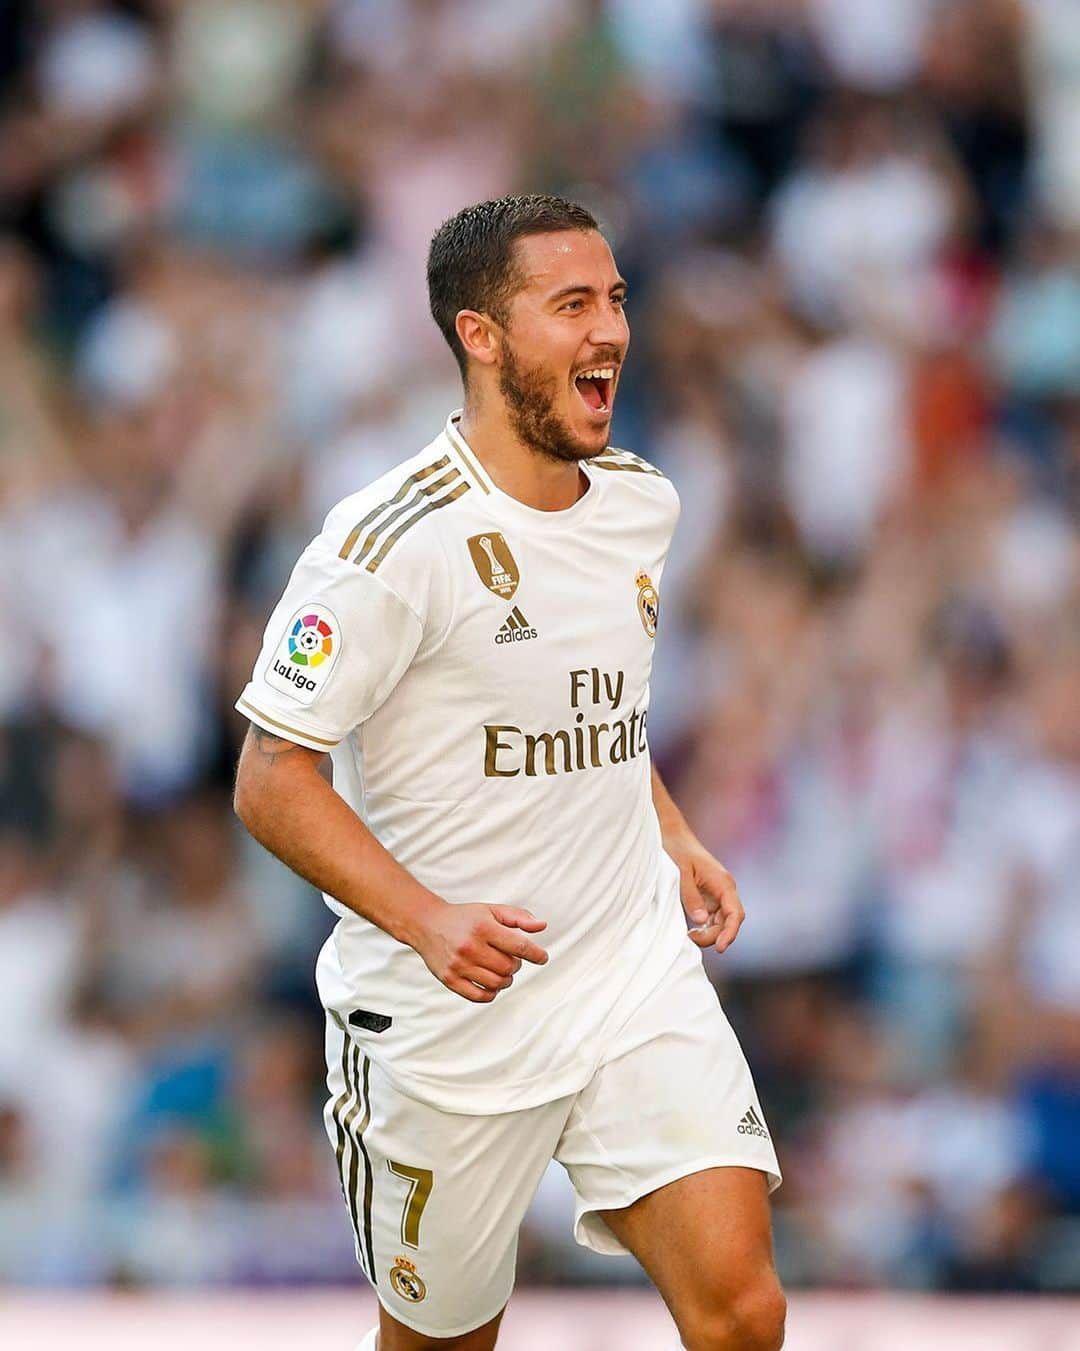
x=600, y=373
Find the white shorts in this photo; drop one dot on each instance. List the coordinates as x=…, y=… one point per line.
x=436, y=1199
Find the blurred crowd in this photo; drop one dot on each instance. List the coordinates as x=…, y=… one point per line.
x=852, y=235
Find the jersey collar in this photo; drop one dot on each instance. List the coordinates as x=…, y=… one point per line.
x=470, y=465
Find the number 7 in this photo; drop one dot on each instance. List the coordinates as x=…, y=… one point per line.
x=420, y=1181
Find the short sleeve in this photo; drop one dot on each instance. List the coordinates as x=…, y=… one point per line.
x=337, y=643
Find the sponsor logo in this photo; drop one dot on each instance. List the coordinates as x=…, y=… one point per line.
x=494, y=563
x=306, y=653
x=584, y=743
x=406, y=1281
x=648, y=603
x=752, y=1124
x=515, y=629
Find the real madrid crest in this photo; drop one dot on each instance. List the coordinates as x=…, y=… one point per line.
x=648, y=603
x=406, y=1281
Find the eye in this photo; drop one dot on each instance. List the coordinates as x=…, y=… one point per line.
x=620, y=300
x=570, y=304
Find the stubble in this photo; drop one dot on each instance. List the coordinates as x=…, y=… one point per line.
x=530, y=394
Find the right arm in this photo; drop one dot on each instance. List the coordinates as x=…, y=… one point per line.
x=287, y=805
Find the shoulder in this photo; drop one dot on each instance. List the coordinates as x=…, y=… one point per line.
x=397, y=512
x=638, y=479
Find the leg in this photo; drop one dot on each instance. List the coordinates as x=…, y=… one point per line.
x=671, y=1159
x=395, y=1336
x=705, y=1242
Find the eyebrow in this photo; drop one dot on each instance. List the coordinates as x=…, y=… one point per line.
x=580, y=288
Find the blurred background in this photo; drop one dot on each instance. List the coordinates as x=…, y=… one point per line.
x=851, y=231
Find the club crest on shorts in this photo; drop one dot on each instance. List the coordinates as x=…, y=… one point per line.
x=494, y=563
x=648, y=603
x=406, y=1281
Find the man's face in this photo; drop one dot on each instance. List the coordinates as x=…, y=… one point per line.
x=566, y=320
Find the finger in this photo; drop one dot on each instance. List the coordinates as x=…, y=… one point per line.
x=488, y=980
x=523, y=948
x=514, y=943
x=715, y=880
x=730, y=927
x=691, y=897
x=494, y=961
x=516, y=918
x=705, y=935
x=730, y=917
x=468, y=991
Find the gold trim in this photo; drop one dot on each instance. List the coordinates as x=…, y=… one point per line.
x=627, y=467
x=388, y=544
x=348, y=1184
x=614, y=452
x=354, y=533
x=284, y=726
x=420, y=1182
x=369, y=1172
x=459, y=445
x=423, y=490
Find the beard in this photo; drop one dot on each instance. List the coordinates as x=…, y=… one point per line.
x=530, y=394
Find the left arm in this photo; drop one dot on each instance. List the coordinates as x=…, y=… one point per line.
x=709, y=895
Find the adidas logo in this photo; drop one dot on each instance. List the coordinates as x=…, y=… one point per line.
x=516, y=629
x=752, y=1124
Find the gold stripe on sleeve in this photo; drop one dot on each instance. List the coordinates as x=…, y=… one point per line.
x=283, y=726
x=408, y=524
x=410, y=482
x=422, y=491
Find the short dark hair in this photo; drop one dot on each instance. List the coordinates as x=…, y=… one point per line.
x=471, y=263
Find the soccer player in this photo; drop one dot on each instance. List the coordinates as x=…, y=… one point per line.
x=510, y=978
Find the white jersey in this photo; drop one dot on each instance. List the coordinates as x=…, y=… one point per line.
x=479, y=672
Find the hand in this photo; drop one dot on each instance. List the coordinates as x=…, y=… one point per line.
x=475, y=950
x=709, y=895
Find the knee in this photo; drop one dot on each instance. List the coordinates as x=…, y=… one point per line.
x=752, y=1320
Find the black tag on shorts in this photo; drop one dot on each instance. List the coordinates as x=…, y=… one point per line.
x=370, y=1022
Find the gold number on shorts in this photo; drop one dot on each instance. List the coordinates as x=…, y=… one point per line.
x=420, y=1181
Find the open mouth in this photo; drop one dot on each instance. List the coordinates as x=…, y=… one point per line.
x=595, y=387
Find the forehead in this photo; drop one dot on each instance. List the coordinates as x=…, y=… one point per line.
x=549, y=262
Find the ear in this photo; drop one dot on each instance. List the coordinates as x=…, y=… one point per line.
x=478, y=335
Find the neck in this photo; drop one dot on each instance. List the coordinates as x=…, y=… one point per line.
x=515, y=467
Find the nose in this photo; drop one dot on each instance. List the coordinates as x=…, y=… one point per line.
x=610, y=329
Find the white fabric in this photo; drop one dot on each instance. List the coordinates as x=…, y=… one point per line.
x=435, y=725
x=672, y=1096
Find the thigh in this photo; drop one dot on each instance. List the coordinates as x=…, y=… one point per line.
x=435, y=1199
x=704, y=1237
x=675, y=1099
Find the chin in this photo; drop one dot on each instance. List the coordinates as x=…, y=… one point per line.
x=585, y=445
x=595, y=441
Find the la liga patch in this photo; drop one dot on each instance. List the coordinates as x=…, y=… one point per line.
x=304, y=658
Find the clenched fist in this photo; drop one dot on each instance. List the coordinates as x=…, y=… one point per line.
x=475, y=950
